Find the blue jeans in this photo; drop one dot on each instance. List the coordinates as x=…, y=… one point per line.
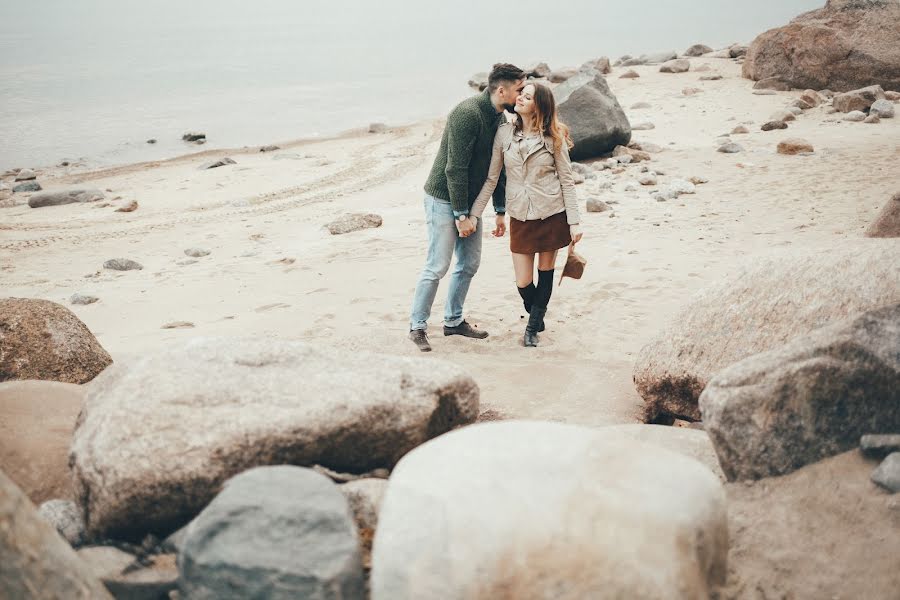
x=443, y=242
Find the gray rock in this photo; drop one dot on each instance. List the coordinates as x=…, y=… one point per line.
x=26, y=175
x=887, y=223
x=795, y=110
x=630, y=74
x=37, y=563
x=880, y=445
x=64, y=197
x=634, y=62
x=801, y=104
x=193, y=137
x=580, y=168
x=215, y=164
x=122, y=264
x=381, y=127
x=454, y=524
x=129, y=579
x=643, y=126
x=538, y=70
x=730, y=148
x=858, y=100
x=353, y=222
x=773, y=125
x=596, y=121
x=883, y=109
x=771, y=83
x=83, y=299
x=887, y=475
x=598, y=64
x=678, y=65
x=855, y=116
x=768, y=302
x=872, y=119
x=740, y=129
x=595, y=205
x=279, y=532
x=710, y=78
x=659, y=57
x=65, y=518
x=151, y=141
x=779, y=410
x=28, y=186
x=45, y=340
x=698, y=50
x=564, y=74
x=270, y=148
x=150, y=450
x=647, y=178
x=737, y=51
x=196, y=252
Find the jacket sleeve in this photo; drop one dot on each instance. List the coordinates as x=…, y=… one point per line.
x=490, y=185
x=461, y=135
x=567, y=183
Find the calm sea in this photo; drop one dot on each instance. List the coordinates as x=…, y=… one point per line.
x=92, y=80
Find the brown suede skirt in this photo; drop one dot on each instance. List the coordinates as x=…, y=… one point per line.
x=531, y=237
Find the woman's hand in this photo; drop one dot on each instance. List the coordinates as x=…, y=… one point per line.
x=575, y=232
x=499, y=226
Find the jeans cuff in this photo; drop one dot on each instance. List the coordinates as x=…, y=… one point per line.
x=453, y=322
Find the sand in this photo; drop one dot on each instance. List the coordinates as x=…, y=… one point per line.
x=274, y=271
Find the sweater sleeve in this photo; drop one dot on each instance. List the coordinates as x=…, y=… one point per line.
x=462, y=131
x=567, y=183
x=491, y=183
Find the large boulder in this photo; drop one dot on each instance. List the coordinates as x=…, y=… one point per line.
x=887, y=223
x=596, y=121
x=548, y=510
x=845, y=45
x=36, y=563
x=273, y=532
x=767, y=303
x=64, y=197
x=814, y=397
x=159, y=435
x=682, y=440
x=40, y=339
x=36, y=423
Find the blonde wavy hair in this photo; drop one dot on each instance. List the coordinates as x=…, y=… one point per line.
x=544, y=117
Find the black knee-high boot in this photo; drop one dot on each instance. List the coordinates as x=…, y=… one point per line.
x=539, y=307
x=527, y=293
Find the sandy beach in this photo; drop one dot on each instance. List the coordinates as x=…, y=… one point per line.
x=274, y=271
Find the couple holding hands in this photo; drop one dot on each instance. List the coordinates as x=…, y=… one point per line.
x=523, y=162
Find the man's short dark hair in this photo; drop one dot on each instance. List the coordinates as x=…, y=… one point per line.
x=504, y=73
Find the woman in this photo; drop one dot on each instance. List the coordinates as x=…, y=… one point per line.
x=540, y=197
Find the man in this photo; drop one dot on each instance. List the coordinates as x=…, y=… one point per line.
x=457, y=175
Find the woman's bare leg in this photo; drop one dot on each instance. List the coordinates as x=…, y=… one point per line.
x=546, y=260
x=523, y=264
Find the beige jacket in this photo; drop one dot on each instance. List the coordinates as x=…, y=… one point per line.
x=542, y=182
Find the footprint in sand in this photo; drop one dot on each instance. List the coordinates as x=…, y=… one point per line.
x=267, y=307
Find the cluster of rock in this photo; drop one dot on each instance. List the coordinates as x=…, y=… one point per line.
x=596, y=121
x=788, y=362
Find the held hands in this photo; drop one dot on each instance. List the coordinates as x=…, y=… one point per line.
x=467, y=227
x=500, y=227
x=575, y=232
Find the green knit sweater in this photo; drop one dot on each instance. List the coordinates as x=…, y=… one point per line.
x=464, y=158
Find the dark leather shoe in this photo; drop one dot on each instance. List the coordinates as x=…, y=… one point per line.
x=465, y=330
x=420, y=339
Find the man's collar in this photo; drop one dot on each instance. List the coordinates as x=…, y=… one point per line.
x=486, y=105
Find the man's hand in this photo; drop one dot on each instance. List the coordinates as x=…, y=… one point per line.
x=500, y=226
x=466, y=227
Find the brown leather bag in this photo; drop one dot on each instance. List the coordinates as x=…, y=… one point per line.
x=575, y=264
